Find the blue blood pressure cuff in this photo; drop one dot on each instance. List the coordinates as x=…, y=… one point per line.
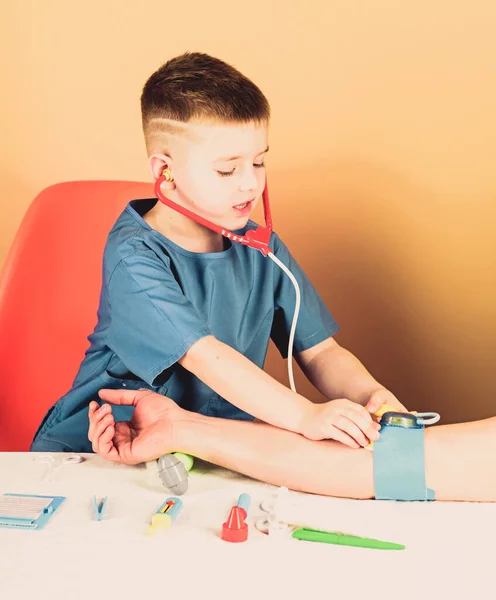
x=399, y=463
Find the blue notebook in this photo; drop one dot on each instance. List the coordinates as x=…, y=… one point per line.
x=27, y=511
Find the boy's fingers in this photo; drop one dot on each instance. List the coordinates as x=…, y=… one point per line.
x=359, y=416
x=363, y=420
x=346, y=425
x=344, y=438
x=373, y=405
x=370, y=428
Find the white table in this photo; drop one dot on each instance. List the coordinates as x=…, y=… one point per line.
x=450, y=546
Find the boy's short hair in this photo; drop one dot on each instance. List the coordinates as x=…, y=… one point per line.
x=196, y=87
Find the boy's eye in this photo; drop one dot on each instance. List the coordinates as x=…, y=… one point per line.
x=228, y=173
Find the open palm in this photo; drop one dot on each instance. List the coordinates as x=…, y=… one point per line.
x=148, y=434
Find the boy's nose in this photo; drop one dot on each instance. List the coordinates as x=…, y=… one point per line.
x=248, y=181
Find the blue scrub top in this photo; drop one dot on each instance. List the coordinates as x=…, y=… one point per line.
x=157, y=300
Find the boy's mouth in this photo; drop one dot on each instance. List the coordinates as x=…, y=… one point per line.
x=243, y=205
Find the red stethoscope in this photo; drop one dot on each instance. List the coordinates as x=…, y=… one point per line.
x=255, y=238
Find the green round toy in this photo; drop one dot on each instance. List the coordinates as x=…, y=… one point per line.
x=186, y=459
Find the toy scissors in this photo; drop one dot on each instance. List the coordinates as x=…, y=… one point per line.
x=55, y=461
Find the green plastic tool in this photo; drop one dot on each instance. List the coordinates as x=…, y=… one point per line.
x=326, y=537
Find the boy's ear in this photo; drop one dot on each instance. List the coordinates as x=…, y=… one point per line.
x=157, y=163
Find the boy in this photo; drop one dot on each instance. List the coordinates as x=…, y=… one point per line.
x=187, y=313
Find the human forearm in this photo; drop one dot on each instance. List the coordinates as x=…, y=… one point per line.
x=459, y=458
x=337, y=373
x=277, y=456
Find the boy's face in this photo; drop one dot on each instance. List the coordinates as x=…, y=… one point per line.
x=221, y=175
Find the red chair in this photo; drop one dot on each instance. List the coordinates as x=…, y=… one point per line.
x=49, y=292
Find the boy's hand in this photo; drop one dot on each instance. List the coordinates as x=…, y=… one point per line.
x=379, y=398
x=148, y=434
x=341, y=420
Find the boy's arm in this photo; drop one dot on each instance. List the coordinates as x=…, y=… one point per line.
x=244, y=384
x=337, y=373
x=241, y=382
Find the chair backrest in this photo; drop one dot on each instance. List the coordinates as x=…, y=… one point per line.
x=49, y=292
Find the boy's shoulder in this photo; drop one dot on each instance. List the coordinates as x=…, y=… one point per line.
x=130, y=232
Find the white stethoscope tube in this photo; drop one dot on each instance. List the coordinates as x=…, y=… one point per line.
x=295, y=317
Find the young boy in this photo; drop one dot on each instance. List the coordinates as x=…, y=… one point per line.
x=186, y=312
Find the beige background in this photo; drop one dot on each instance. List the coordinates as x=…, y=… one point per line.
x=381, y=166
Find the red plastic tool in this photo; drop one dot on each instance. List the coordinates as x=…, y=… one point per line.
x=235, y=529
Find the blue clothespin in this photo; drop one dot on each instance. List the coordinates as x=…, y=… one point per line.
x=99, y=509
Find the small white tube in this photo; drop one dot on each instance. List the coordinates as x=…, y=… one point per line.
x=295, y=317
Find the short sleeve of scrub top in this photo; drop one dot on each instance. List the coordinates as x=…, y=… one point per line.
x=153, y=323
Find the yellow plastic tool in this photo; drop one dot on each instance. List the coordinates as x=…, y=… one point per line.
x=388, y=408
x=164, y=516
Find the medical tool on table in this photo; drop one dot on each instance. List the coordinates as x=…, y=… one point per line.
x=27, y=511
x=99, y=508
x=55, y=462
x=165, y=515
x=235, y=529
x=172, y=470
x=341, y=539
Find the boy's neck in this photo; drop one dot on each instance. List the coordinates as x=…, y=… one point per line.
x=183, y=231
